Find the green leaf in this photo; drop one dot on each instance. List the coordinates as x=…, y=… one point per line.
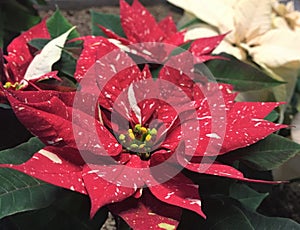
x=249, y=198
x=5, y=106
x=259, y=221
x=242, y=76
x=21, y=153
x=70, y=211
x=190, y=23
x=225, y=215
x=38, y=43
x=18, y=17
x=66, y=64
x=19, y=192
x=266, y=154
x=155, y=72
x=273, y=116
x=12, y=132
x=57, y=24
x=110, y=21
x=190, y=220
x=181, y=49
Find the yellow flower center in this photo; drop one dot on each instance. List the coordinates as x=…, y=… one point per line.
x=139, y=140
x=15, y=86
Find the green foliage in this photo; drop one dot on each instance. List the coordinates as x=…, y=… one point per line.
x=181, y=49
x=259, y=221
x=38, y=43
x=248, y=197
x=273, y=116
x=21, y=153
x=19, y=193
x=69, y=211
x=226, y=216
x=110, y=21
x=266, y=154
x=15, y=17
x=242, y=76
x=224, y=213
x=57, y=24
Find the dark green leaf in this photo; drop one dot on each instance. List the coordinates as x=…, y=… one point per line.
x=242, y=76
x=273, y=116
x=38, y=43
x=21, y=153
x=249, y=198
x=155, y=72
x=19, y=192
x=190, y=23
x=18, y=17
x=5, y=106
x=266, y=154
x=181, y=49
x=259, y=221
x=57, y=24
x=190, y=220
x=66, y=64
x=70, y=211
x=225, y=216
x=12, y=132
x=109, y=21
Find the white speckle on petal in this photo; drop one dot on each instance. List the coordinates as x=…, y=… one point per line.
x=51, y=156
x=213, y=135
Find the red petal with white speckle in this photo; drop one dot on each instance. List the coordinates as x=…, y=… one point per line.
x=172, y=35
x=218, y=169
x=50, y=75
x=202, y=47
x=113, y=35
x=19, y=56
x=179, y=191
x=49, y=165
x=168, y=26
x=101, y=191
x=176, y=39
x=138, y=24
x=246, y=126
x=94, y=48
x=147, y=212
x=56, y=126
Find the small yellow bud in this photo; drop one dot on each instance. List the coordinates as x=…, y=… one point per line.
x=143, y=130
x=132, y=136
x=153, y=131
x=130, y=131
x=7, y=85
x=142, y=146
x=148, y=137
x=122, y=137
x=138, y=127
x=134, y=146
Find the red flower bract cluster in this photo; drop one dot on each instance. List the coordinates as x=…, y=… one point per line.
x=123, y=137
x=148, y=39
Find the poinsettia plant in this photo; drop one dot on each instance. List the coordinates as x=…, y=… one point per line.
x=130, y=120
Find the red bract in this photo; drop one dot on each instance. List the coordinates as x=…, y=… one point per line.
x=155, y=41
x=124, y=137
x=19, y=52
